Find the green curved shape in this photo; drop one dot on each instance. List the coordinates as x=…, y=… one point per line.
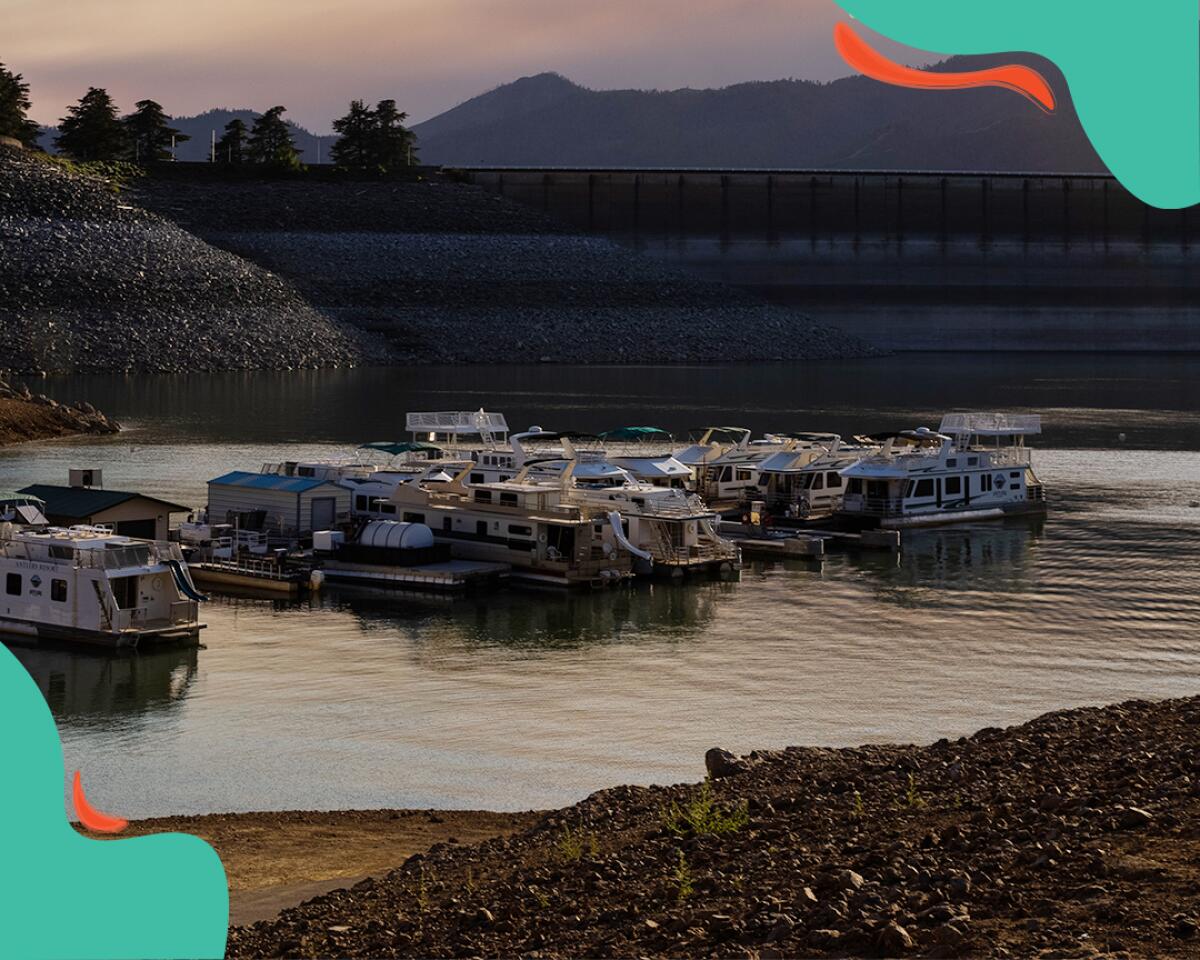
x=1133, y=71
x=63, y=895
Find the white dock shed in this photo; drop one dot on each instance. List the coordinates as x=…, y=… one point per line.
x=290, y=506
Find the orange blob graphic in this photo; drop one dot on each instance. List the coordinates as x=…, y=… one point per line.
x=93, y=819
x=866, y=60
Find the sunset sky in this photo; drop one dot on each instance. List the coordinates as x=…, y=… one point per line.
x=313, y=56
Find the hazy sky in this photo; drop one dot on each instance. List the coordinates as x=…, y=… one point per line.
x=314, y=56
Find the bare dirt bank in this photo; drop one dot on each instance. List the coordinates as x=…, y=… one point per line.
x=276, y=860
x=1076, y=835
x=26, y=416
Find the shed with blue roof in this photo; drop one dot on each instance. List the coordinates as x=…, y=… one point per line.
x=286, y=506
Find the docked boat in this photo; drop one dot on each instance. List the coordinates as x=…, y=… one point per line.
x=665, y=528
x=975, y=467
x=531, y=525
x=90, y=585
x=806, y=481
x=648, y=454
x=725, y=461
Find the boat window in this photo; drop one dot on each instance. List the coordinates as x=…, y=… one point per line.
x=855, y=486
x=952, y=462
x=1015, y=476
x=745, y=474
x=360, y=504
x=818, y=482
x=518, y=531
x=953, y=486
x=388, y=508
x=306, y=472
x=483, y=496
x=414, y=518
x=481, y=529
x=725, y=475
x=509, y=498
x=58, y=591
x=477, y=478
x=972, y=461
x=12, y=585
x=924, y=489
x=833, y=481
x=985, y=482
x=59, y=552
x=877, y=489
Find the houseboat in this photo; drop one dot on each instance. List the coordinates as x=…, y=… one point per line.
x=531, y=525
x=648, y=454
x=975, y=467
x=668, y=529
x=807, y=481
x=90, y=585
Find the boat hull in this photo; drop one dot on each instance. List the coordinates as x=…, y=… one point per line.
x=1030, y=509
x=22, y=630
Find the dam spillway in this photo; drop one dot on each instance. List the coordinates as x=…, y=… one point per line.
x=909, y=260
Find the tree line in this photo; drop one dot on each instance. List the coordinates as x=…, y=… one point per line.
x=369, y=138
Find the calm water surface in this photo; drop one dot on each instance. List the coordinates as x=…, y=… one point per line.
x=512, y=699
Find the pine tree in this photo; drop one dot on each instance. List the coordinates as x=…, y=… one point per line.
x=395, y=144
x=271, y=141
x=91, y=130
x=14, y=107
x=231, y=148
x=151, y=134
x=356, y=148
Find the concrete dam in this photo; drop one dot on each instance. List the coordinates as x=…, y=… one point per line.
x=910, y=261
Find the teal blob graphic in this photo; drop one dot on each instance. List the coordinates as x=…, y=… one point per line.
x=1133, y=72
x=63, y=895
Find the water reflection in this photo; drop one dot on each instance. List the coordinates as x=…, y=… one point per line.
x=82, y=687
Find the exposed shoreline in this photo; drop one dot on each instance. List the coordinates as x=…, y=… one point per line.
x=1074, y=835
x=26, y=417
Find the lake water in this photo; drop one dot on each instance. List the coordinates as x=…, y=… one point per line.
x=512, y=699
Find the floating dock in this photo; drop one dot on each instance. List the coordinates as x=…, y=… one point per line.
x=807, y=542
x=256, y=577
x=449, y=575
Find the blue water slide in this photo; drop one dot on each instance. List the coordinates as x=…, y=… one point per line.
x=184, y=583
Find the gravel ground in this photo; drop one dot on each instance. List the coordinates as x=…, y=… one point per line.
x=90, y=282
x=492, y=297
x=1074, y=836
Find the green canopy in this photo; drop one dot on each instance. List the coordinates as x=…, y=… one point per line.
x=636, y=433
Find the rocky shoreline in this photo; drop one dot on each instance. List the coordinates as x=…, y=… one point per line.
x=1072, y=836
x=190, y=272
x=25, y=416
x=89, y=281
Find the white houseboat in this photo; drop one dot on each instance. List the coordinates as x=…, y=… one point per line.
x=668, y=529
x=531, y=525
x=89, y=585
x=976, y=467
x=806, y=481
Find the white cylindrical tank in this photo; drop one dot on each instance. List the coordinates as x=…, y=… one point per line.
x=396, y=536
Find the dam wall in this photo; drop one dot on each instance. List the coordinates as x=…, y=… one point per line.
x=910, y=261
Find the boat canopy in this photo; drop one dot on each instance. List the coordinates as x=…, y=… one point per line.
x=395, y=449
x=719, y=434
x=635, y=434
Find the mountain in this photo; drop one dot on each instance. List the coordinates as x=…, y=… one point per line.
x=200, y=128
x=547, y=120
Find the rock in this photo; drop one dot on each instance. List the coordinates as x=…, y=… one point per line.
x=1185, y=927
x=848, y=880
x=1134, y=818
x=721, y=764
x=893, y=940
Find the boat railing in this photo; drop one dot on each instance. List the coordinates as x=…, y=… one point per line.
x=141, y=554
x=876, y=506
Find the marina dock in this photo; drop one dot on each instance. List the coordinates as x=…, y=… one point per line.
x=450, y=575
